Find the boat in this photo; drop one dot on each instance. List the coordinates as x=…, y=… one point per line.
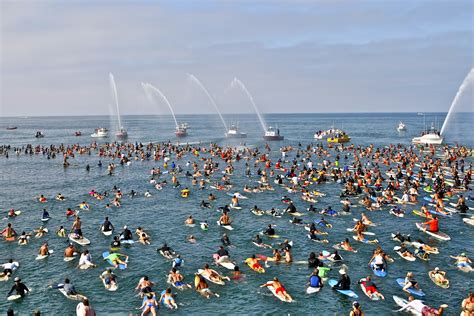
x=100, y=132
x=122, y=133
x=401, y=127
x=181, y=130
x=234, y=132
x=272, y=134
x=39, y=134
x=430, y=137
x=323, y=134
x=77, y=133
x=340, y=137
x=11, y=128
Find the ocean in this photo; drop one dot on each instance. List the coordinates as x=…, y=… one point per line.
x=162, y=216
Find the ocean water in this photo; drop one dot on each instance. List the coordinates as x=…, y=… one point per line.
x=22, y=178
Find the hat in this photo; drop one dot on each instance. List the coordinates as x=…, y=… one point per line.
x=342, y=271
x=463, y=254
x=17, y=279
x=125, y=227
x=356, y=304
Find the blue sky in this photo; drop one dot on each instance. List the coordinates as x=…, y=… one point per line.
x=293, y=56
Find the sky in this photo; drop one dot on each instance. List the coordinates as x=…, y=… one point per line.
x=293, y=56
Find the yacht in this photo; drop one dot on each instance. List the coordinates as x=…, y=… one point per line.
x=401, y=127
x=181, y=130
x=234, y=132
x=272, y=134
x=100, y=132
x=430, y=137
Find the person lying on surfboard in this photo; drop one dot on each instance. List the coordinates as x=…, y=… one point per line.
x=279, y=289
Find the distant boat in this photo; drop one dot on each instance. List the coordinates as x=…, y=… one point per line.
x=10, y=128
x=122, y=133
x=100, y=132
x=419, y=113
x=429, y=137
x=181, y=130
x=234, y=132
x=401, y=127
x=39, y=134
x=77, y=133
x=272, y=134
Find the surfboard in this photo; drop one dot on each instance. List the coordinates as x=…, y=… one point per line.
x=350, y=293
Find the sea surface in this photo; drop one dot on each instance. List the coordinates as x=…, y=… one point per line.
x=22, y=178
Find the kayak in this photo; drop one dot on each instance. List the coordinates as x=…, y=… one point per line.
x=444, y=285
x=206, y=276
x=373, y=296
x=228, y=227
x=260, y=269
x=402, y=303
x=81, y=241
x=311, y=290
x=412, y=290
x=350, y=293
x=105, y=254
x=280, y=297
x=438, y=235
x=39, y=257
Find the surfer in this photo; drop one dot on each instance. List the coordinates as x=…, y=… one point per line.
x=422, y=309
x=279, y=289
x=19, y=287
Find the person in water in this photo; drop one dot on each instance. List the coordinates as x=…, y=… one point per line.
x=432, y=225
x=19, y=287
x=315, y=280
x=371, y=288
x=150, y=305
x=356, y=310
x=467, y=305
x=344, y=282
x=422, y=309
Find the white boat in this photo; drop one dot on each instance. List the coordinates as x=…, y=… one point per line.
x=181, y=130
x=234, y=132
x=401, y=127
x=430, y=137
x=324, y=134
x=39, y=134
x=100, y=132
x=272, y=134
x=122, y=133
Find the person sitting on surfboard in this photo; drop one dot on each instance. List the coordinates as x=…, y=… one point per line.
x=107, y=225
x=279, y=289
x=126, y=234
x=270, y=231
x=344, y=282
x=20, y=288
x=144, y=286
x=225, y=240
x=315, y=280
x=410, y=282
x=67, y=286
x=44, y=251
x=8, y=232
x=433, y=224
x=224, y=219
x=69, y=251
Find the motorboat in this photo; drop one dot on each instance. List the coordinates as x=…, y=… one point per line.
x=181, y=130
x=77, y=133
x=100, y=132
x=234, y=132
x=39, y=134
x=272, y=134
x=401, y=127
x=339, y=137
x=430, y=137
x=11, y=128
x=122, y=133
x=319, y=135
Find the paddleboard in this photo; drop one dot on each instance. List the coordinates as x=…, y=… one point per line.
x=81, y=241
x=438, y=235
x=412, y=290
x=350, y=293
